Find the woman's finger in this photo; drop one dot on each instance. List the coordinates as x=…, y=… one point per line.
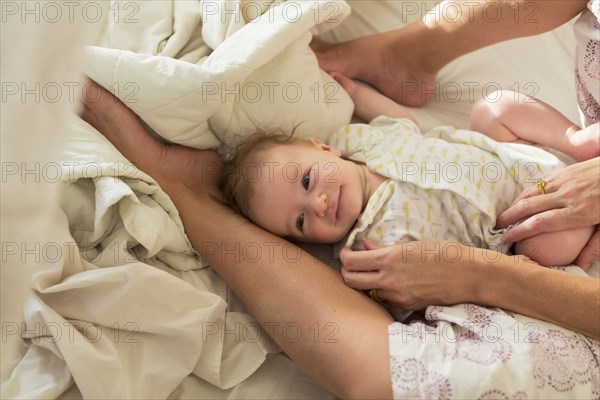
x=371, y=245
x=367, y=260
x=551, y=185
x=528, y=206
x=361, y=280
x=591, y=251
x=528, y=203
x=548, y=221
x=529, y=191
x=385, y=296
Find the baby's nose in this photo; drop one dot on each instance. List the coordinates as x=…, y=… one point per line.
x=321, y=205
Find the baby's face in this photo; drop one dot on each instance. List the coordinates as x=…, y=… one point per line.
x=307, y=192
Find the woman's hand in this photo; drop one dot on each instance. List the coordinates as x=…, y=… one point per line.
x=169, y=164
x=572, y=200
x=414, y=275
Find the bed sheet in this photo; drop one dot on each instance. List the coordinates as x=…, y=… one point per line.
x=542, y=64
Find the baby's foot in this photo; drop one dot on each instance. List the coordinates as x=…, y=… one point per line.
x=383, y=60
x=584, y=143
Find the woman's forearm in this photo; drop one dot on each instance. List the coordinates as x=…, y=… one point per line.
x=334, y=333
x=413, y=275
x=567, y=300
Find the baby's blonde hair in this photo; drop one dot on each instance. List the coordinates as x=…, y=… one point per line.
x=236, y=186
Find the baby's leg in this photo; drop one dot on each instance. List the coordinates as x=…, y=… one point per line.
x=496, y=118
x=555, y=248
x=369, y=103
x=586, y=142
x=517, y=118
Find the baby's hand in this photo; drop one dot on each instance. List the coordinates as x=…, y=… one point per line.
x=346, y=83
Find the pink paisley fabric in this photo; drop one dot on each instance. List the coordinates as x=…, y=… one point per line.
x=587, y=70
x=469, y=351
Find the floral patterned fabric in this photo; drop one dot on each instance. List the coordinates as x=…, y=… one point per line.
x=472, y=352
x=587, y=71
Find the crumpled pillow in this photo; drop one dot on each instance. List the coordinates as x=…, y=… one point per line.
x=261, y=75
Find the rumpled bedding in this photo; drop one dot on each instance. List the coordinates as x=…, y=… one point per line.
x=127, y=291
x=121, y=305
x=241, y=76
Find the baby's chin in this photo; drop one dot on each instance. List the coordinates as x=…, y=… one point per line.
x=333, y=239
x=314, y=241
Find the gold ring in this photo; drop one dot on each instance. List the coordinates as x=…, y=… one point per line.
x=541, y=187
x=373, y=295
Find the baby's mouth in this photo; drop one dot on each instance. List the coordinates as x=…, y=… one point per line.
x=336, y=206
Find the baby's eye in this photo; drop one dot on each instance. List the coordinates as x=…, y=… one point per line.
x=306, y=180
x=300, y=222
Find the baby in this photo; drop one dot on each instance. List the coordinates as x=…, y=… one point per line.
x=387, y=182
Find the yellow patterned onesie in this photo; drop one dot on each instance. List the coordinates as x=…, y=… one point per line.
x=447, y=184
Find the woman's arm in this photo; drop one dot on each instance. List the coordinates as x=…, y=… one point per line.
x=567, y=300
x=414, y=275
x=336, y=334
x=123, y=129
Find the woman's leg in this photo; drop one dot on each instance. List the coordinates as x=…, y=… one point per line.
x=336, y=334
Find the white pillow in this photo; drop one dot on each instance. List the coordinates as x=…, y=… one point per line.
x=262, y=75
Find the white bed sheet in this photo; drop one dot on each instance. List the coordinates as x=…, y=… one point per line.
x=544, y=63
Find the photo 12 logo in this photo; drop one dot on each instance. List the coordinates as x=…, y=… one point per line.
x=270, y=92
x=53, y=12
x=53, y=92
x=70, y=332
x=287, y=11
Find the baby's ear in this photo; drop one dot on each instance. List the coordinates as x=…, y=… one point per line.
x=322, y=146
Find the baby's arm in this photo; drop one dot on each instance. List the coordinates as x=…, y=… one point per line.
x=369, y=103
x=555, y=248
